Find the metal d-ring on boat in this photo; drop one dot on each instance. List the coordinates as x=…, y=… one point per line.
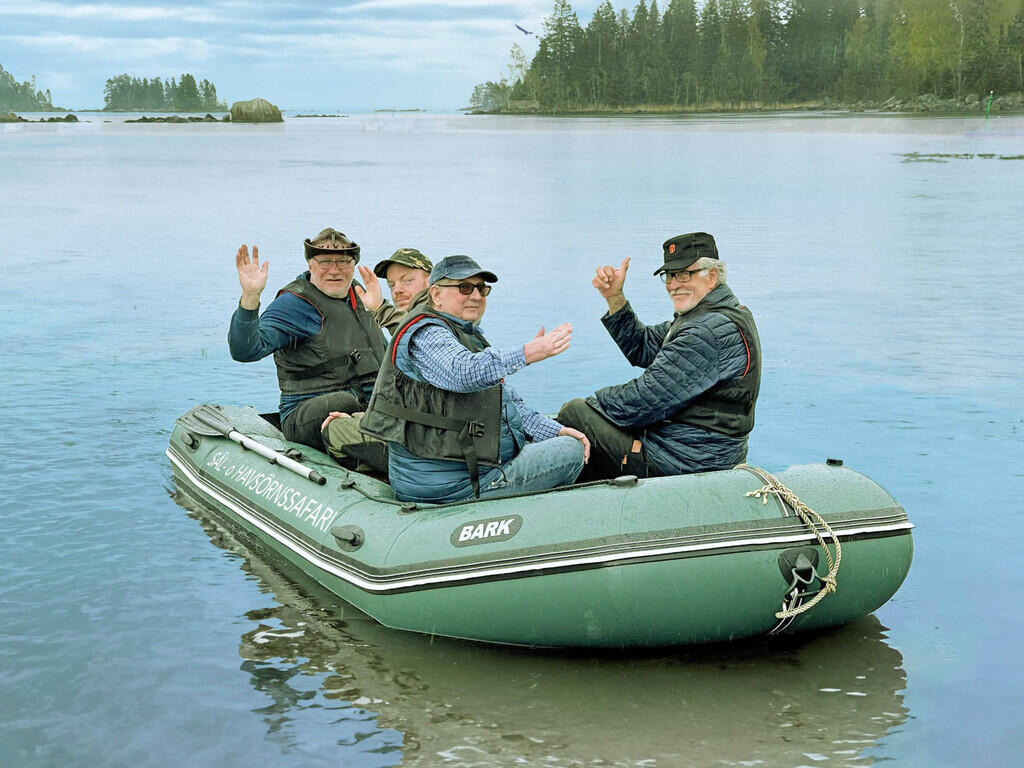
x=623, y=563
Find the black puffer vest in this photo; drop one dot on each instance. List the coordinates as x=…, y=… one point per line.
x=728, y=407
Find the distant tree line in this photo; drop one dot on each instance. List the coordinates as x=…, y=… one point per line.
x=130, y=93
x=22, y=96
x=735, y=52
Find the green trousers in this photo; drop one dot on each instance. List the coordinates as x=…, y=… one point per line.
x=352, y=449
x=613, y=451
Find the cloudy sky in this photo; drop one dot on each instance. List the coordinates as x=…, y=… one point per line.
x=299, y=54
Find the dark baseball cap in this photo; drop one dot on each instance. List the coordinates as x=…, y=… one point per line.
x=459, y=267
x=330, y=242
x=682, y=250
x=407, y=257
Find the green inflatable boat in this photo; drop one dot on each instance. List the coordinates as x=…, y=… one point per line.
x=623, y=563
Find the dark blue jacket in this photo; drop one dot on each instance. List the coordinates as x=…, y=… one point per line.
x=705, y=352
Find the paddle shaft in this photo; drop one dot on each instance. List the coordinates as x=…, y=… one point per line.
x=217, y=422
x=277, y=458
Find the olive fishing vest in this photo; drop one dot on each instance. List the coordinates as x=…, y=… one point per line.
x=345, y=354
x=436, y=423
x=727, y=407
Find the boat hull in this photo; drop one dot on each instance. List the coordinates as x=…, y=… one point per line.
x=659, y=562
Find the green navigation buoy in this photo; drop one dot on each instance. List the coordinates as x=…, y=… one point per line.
x=988, y=104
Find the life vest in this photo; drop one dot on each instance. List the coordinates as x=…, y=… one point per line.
x=435, y=423
x=345, y=354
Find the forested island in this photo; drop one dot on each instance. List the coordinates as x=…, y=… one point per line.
x=23, y=97
x=125, y=93
x=918, y=55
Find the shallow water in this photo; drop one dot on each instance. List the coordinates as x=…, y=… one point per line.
x=136, y=631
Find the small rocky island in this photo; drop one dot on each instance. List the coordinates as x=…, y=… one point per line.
x=10, y=117
x=252, y=111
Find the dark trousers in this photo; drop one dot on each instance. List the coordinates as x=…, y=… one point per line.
x=303, y=423
x=613, y=451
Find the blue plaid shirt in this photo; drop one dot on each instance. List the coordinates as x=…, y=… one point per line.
x=448, y=365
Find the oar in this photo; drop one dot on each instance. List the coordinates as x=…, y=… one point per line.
x=210, y=417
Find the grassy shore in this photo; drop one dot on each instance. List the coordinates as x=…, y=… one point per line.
x=926, y=104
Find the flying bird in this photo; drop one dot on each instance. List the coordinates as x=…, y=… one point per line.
x=524, y=31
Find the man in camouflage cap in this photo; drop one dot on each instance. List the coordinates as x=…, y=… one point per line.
x=693, y=406
x=320, y=328
x=406, y=272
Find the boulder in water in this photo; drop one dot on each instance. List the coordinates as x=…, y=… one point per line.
x=255, y=111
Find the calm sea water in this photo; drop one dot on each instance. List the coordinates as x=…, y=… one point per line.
x=134, y=631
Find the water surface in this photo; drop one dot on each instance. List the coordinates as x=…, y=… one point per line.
x=137, y=631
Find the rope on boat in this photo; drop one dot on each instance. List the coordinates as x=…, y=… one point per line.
x=814, y=521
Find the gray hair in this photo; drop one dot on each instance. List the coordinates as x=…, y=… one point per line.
x=705, y=262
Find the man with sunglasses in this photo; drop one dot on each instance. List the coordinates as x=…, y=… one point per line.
x=455, y=430
x=693, y=406
x=325, y=341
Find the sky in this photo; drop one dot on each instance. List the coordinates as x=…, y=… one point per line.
x=299, y=54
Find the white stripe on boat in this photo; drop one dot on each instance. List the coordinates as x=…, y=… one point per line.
x=481, y=573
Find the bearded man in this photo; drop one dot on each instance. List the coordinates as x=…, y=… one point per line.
x=693, y=406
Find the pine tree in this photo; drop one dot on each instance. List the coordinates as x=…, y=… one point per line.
x=681, y=46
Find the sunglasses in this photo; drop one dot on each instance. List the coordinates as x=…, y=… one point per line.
x=467, y=288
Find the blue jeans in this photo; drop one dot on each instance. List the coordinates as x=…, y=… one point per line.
x=539, y=466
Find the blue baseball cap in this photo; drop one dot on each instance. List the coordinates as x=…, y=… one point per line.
x=458, y=267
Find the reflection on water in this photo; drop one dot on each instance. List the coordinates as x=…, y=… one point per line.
x=827, y=696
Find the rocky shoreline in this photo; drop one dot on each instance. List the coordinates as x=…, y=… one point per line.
x=10, y=117
x=207, y=118
x=972, y=102
x=925, y=104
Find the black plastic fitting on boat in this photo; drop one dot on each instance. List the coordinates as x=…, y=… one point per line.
x=349, y=537
x=834, y=462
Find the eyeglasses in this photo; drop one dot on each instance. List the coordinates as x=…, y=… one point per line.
x=467, y=288
x=339, y=261
x=680, y=276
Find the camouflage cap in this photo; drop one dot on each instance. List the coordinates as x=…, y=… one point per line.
x=682, y=250
x=407, y=257
x=330, y=242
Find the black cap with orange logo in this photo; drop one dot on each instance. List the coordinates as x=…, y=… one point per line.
x=682, y=250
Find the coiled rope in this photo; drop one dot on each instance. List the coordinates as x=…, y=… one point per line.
x=812, y=520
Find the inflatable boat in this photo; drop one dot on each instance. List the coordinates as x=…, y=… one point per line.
x=621, y=563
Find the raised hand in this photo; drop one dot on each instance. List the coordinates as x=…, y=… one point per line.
x=609, y=280
x=545, y=345
x=251, y=276
x=371, y=296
